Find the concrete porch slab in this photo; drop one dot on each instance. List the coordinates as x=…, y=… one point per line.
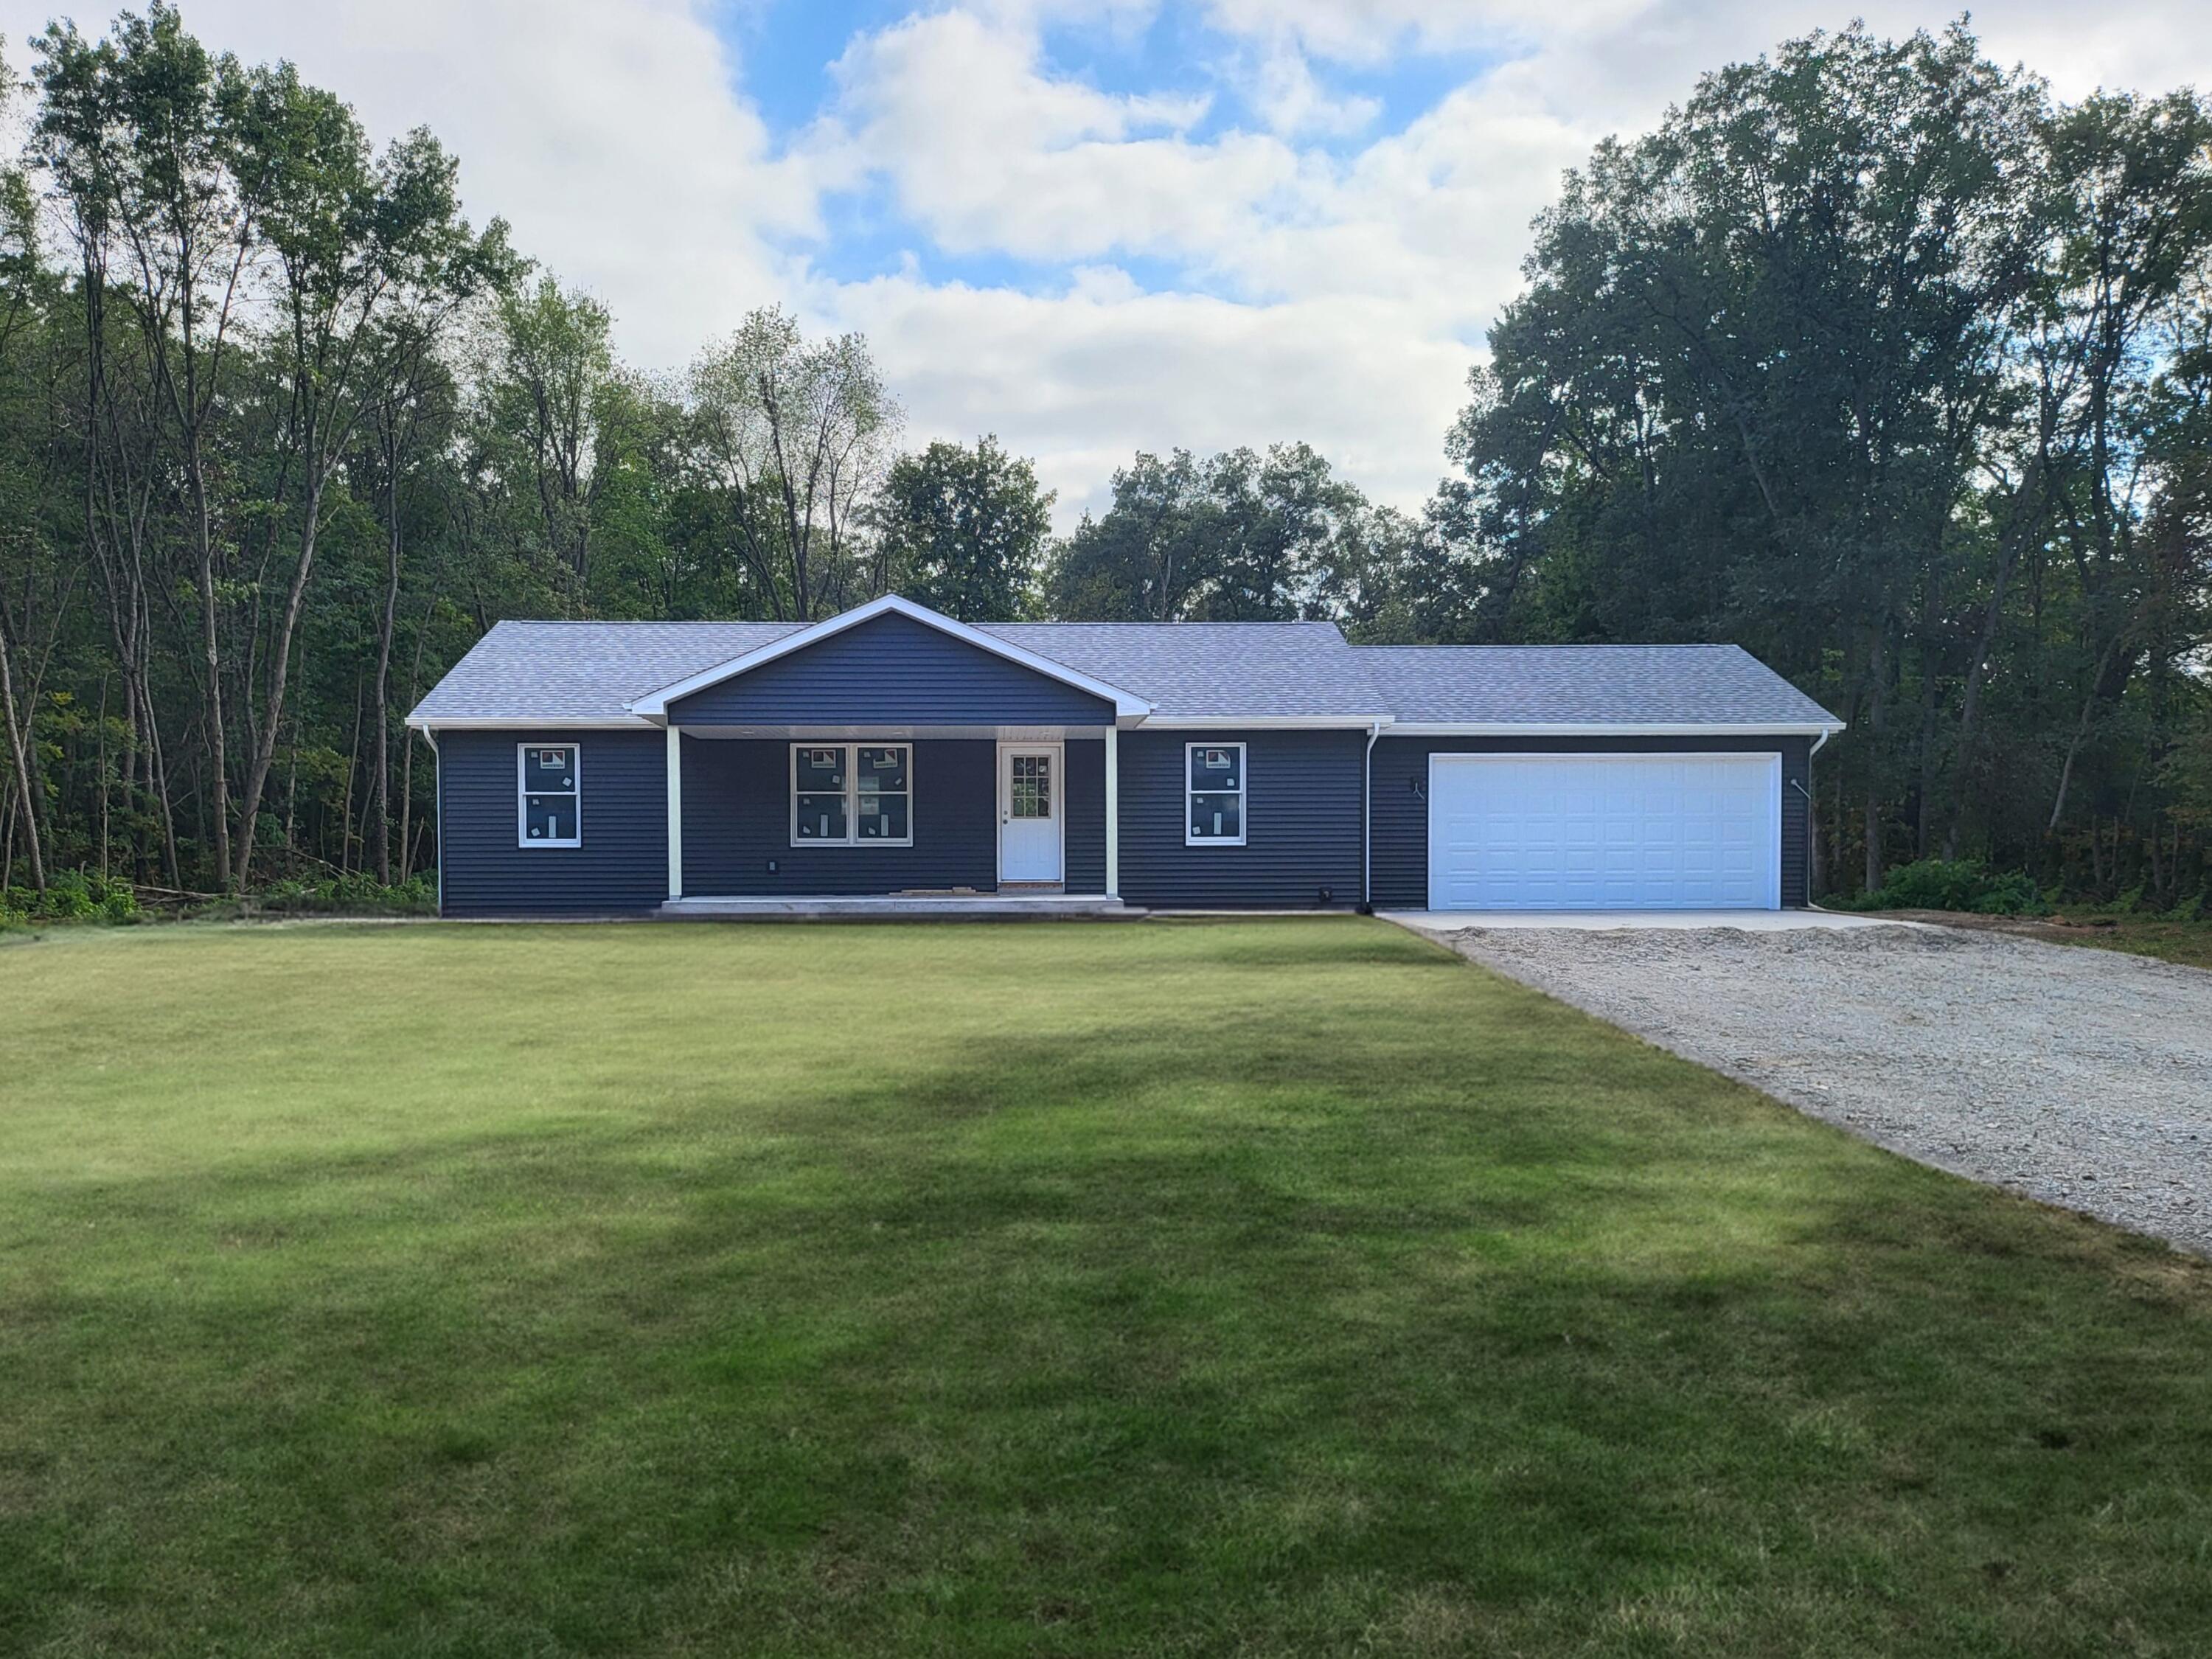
x=1748, y=922
x=923, y=907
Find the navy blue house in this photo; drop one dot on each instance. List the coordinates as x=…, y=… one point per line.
x=891, y=752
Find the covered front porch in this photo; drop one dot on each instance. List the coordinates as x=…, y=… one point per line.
x=820, y=820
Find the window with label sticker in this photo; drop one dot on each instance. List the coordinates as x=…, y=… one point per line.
x=1213, y=794
x=550, y=795
x=852, y=794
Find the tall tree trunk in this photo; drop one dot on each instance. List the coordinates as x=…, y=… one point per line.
x=280, y=663
x=381, y=796
x=211, y=663
x=22, y=753
x=407, y=750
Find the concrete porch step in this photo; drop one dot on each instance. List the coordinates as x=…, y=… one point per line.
x=941, y=907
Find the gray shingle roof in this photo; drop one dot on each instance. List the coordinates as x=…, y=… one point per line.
x=581, y=671
x=1586, y=684
x=1207, y=669
x=555, y=672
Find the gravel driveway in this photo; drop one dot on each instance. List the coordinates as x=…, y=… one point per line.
x=2081, y=1077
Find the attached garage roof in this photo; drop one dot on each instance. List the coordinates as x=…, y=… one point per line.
x=603, y=673
x=1587, y=685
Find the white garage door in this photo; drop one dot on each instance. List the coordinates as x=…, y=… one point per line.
x=1605, y=832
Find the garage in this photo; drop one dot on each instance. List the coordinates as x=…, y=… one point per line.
x=1605, y=831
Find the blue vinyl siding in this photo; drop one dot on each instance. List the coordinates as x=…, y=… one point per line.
x=892, y=670
x=737, y=819
x=1086, y=837
x=623, y=864
x=1401, y=810
x=1302, y=799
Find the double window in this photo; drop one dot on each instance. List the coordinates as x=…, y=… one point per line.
x=1213, y=794
x=852, y=794
x=548, y=795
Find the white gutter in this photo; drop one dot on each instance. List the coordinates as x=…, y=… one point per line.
x=1259, y=722
x=537, y=723
x=1604, y=729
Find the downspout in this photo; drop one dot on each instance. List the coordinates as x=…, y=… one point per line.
x=1367, y=823
x=1812, y=809
x=438, y=793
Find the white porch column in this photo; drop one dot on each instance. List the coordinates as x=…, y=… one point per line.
x=1114, y=813
x=675, y=812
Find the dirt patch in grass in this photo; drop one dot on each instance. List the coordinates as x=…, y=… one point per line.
x=2189, y=942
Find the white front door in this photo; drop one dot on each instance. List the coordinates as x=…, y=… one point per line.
x=1028, y=812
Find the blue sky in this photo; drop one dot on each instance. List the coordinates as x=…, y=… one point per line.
x=1087, y=226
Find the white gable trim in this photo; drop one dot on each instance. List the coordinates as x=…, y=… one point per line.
x=655, y=706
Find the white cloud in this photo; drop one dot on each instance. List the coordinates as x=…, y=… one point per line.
x=1292, y=102
x=1338, y=293
x=609, y=136
x=987, y=151
x=1084, y=379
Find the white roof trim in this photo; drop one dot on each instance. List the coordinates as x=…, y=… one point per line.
x=532, y=723
x=1613, y=729
x=653, y=706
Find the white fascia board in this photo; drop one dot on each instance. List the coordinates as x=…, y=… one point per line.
x=655, y=706
x=1607, y=729
x=533, y=723
x=1266, y=722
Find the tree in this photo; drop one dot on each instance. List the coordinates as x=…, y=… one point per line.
x=136, y=133
x=353, y=239
x=792, y=433
x=551, y=368
x=963, y=529
x=1850, y=361
x=1240, y=536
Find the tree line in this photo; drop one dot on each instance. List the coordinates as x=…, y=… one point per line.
x=1872, y=357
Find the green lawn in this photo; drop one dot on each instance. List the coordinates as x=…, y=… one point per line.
x=1239, y=1288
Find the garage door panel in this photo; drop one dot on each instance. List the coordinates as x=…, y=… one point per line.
x=1605, y=832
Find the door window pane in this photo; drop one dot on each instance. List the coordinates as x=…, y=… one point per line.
x=1030, y=787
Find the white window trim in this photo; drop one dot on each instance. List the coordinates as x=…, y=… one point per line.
x=523, y=792
x=1241, y=792
x=853, y=836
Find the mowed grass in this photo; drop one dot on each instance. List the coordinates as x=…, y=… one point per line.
x=1268, y=1287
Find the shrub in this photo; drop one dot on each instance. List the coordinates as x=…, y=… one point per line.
x=73, y=895
x=1955, y=885
x=358, y=894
